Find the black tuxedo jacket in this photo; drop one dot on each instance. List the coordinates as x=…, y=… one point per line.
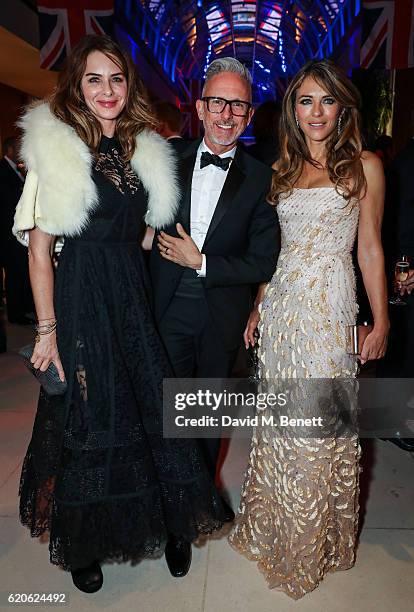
x=241, y=246
x=398, y=222
x=398, y=238
x=179, y=144
x=401, y=194
x=11, y=187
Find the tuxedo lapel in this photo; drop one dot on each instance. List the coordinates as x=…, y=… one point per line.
x=186, y=178
x=15, y=179
x=231, y=188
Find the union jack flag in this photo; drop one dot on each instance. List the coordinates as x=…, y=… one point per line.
x=387, y=34
x=63, y=22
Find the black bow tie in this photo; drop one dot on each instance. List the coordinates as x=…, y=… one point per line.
x=209, y=158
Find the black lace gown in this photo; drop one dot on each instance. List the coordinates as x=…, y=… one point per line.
x=98, y=474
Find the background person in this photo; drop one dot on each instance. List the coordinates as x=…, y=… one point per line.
x=398, y=241
x=170, y=124
x=266, y=132
x=12, y=254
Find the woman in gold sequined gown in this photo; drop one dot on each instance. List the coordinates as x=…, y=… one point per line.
x=298, y=513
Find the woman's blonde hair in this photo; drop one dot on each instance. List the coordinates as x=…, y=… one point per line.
x=68, y=104
x=344, y=145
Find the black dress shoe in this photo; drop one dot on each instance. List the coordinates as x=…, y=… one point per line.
x=88, y=579
x=178, y=556
x=228, y=512
x=406, y=444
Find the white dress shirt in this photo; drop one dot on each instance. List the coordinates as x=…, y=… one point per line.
x=206, y=188
x=15, y=168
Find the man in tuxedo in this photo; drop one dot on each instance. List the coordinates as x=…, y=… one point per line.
x=398, y=241
x=226, y=239
x=13, y=254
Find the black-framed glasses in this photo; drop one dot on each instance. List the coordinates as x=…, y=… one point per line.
x=239, y=108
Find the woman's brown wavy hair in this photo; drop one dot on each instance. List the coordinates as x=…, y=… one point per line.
x=68, y=104
x=343, y=150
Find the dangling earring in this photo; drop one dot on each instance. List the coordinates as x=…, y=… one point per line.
x=297, y=120
x=340, y=122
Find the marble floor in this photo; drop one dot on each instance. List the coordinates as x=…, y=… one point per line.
x=220, y=580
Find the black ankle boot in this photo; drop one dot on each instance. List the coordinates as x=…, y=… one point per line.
x=88, y=579
x=228, y=511
x=178, y=557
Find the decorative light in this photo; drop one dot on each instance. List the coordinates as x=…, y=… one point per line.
x=208, y=55
x=217, y=24
x=281, y=52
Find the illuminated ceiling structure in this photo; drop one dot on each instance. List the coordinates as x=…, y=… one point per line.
x=274, y=39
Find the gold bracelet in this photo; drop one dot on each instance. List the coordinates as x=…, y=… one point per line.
x=43, y=330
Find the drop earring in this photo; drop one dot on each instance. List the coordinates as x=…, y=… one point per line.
x=340, y=122
x=297, y=120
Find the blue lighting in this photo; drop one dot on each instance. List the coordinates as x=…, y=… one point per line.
x=133, y=48
x=184, y=41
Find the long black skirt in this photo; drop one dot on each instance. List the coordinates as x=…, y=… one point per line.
x=98, y=475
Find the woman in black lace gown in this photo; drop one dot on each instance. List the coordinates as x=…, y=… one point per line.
x=98, y=474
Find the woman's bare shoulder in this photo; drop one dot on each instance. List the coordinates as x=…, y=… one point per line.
x=371, y=163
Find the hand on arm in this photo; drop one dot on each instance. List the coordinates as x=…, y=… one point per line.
x=42, y=281
x=371, y=257
x=182, y=251
x=408, y=285
x=256, y=263
x=148, y=238
x=254, y=318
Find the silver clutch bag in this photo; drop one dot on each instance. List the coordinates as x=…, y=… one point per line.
x=355, y=337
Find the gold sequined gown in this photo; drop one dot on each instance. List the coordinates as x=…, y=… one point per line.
x=298, y=512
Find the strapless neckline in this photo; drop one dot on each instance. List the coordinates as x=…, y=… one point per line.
x=312, y=188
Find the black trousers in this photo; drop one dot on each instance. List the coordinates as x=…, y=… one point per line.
x=399, y=358
x=196, y=351
x=17, y=282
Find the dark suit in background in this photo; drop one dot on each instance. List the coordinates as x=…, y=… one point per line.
x=178, y=143
x=266, y=121
x=266, y=151
x=201, y=320
x=398, y=239
x=13, y=255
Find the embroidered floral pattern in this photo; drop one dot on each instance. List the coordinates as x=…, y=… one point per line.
x=120, y=173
